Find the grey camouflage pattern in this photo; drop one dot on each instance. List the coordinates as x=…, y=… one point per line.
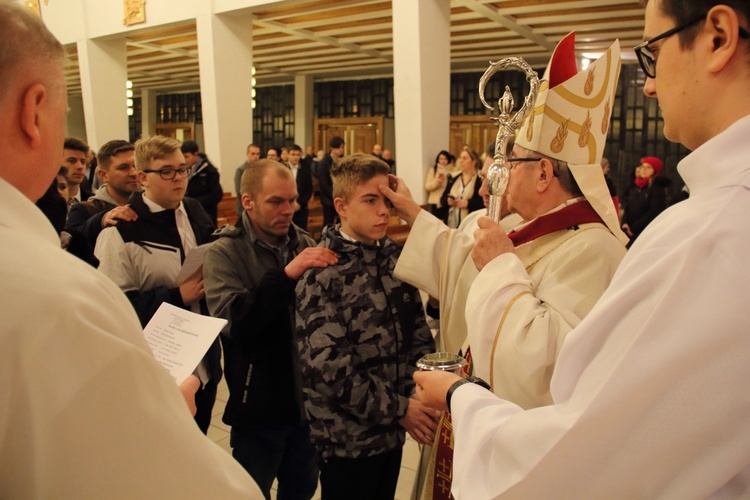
x=352, y=319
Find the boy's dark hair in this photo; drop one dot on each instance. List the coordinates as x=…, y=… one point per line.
x=336, y=142
x=75, y=144
x=353, y=170
x=686, y=11
x=110, y=149
x=189, y=147
x=295, y=148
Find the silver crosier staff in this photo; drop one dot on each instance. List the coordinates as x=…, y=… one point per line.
x=498, y=174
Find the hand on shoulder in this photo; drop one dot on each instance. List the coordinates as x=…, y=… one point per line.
x=310, y=257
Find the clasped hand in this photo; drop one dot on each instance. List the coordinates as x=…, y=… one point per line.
x=490, y=242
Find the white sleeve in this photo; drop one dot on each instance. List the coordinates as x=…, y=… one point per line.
x=114, y=261
x=87, y=411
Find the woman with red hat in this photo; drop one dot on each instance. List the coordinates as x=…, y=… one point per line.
x=646, y=199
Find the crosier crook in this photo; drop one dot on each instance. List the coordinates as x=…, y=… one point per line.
x=499, y=172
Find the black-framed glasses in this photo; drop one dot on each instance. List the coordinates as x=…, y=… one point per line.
x=169, y=173
x=646, y=58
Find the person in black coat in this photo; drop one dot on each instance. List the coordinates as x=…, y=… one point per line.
x=325, y=183
x=303, y=177
x=203, y=182
x=645, y=199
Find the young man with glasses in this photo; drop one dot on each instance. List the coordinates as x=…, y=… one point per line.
x=649, y=391
x=144, y=256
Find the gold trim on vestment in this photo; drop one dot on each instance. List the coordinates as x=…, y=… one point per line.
x=444, y=315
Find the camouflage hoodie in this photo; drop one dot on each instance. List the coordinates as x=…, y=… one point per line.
x=360, y=332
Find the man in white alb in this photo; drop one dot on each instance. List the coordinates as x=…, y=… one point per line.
x=85, y=408
x=649, y=391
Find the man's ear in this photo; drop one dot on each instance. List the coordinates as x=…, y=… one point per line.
x=31, y=112
x=723, y=27
x=340, y=205
x=545, y=176
x=103, y=175
x=247, y=202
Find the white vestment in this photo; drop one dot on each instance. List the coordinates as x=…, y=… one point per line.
x=650, y=389
x=86, y=410
x=437, y=260
x=523, y=304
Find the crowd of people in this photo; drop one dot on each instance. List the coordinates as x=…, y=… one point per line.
x=600, y=365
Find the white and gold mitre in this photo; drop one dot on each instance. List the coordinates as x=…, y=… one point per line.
x=571, y=118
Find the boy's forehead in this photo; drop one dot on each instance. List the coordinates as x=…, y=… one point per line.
x=370, y=186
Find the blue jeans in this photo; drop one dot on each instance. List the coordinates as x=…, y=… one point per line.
x=283, y=452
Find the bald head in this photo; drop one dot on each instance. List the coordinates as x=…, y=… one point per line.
x=25, y=42
x=252, y=179
x=33, y=101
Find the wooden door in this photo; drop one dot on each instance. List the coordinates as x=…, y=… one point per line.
x=180, y=131
x=359, y=134
x=361, y=138
x=460, y=135
x=475, y=131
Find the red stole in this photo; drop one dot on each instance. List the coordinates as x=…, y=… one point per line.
x=573, y=215
x=569, y=217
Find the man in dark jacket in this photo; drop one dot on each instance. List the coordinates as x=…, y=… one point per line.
x=74, y=159
x=144, y=257
x=203, y=179
x=117, y=171
x=251, y=272
x=303, y=177
x=325, y=183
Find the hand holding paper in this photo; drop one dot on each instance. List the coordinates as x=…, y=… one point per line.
x=193, y=262
x=179, y=339
x=191, y=290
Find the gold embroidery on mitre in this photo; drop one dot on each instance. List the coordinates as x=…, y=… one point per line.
x=530, y=127
x=588, y=87
x=558, y=142
x=583, y=137
x=605, y=119
x=596, y=100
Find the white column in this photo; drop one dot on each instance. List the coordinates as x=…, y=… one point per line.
x=225, y=57
x=303, y=111
x=421, y=86
x=75, y=124
x=104, y=71
x=148, y=112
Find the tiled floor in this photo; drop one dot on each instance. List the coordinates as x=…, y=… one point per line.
x=219, y=433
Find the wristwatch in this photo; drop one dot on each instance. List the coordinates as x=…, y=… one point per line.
x=458, y=383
